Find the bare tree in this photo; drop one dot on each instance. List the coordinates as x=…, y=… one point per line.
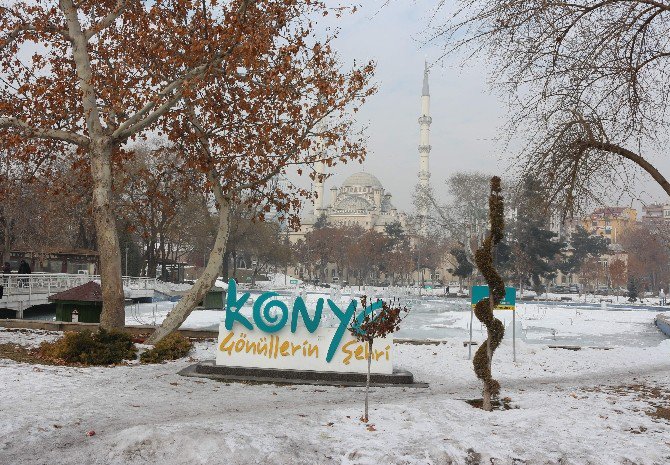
x=589, y=82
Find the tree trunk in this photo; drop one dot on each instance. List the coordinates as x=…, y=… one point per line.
x=225, y=273
x=486, y=394
x=161, y=256
x=7, y=243
x=100, y=151
x=367, y=383
x=197, y=293
x=253, y=276
x=113, y=310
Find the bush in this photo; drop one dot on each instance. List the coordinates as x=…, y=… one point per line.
x=91, y=348
x=171, y=347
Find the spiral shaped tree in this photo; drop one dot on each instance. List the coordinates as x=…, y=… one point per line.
x=484, y=308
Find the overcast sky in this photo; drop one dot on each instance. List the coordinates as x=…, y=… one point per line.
x=467, y=116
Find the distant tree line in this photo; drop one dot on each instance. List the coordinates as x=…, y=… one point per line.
x=532, y=253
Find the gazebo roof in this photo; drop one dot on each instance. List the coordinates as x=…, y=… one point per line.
x=89, y=292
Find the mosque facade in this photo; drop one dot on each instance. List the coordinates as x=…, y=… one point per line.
x=362, y=200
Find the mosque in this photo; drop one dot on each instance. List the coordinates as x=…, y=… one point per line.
x=362, y=200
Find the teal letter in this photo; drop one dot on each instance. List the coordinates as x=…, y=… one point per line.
x=366, y=311
x=272, y=325
x=299, y=308
x=345, y=318
x=233, y=307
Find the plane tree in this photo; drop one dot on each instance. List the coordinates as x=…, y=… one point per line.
x=283, y=111
x=93, y=75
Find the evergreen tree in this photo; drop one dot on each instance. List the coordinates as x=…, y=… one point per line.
x=502, y=257
x=321, y=221
x=584, y=246
x=131, y=252
x=633, y=291
x=536, y=250
x=463, y=268
x=395, y=234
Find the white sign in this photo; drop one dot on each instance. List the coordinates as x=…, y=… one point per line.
x=301, y=350
x=278, y=337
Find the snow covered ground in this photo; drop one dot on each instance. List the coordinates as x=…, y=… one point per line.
x=441, y=318
x=591, y=406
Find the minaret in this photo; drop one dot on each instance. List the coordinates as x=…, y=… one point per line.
x=424, y=152
x=424, y=124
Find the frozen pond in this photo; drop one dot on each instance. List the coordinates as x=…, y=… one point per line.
x=442, y=318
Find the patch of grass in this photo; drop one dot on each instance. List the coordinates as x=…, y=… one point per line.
x=171, y=347
x=656, y=397
x=662, y=413
x=90, y=348
x=21, y=354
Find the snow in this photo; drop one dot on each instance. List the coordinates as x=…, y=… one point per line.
x=169, y=288
x=279, y=281
x=443, y=319
x=570, y=407
x=29, y=338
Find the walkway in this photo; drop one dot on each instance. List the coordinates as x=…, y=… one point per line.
x=21, y=291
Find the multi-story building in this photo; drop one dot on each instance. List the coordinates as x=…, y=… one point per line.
x=656, y=213
x=610, y=222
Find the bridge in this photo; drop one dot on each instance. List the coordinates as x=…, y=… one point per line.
x=21, y=291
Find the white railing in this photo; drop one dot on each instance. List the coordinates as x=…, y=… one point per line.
x=51, y=283
x=132, y=282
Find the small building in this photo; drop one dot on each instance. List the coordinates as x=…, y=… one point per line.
x=85, y=299
x=214, y=299
x=72, y=261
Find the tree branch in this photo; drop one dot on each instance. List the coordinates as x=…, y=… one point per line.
x=44, y=133
x=148, y=114
x=16, y=32
x=107, y=21
x=632, y=156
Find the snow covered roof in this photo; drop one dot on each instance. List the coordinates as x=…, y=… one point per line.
x=89, y=292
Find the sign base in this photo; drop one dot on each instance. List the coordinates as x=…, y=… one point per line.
x=208, y=369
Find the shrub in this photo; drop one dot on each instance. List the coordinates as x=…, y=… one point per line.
x=91, y=348
x=171, y=347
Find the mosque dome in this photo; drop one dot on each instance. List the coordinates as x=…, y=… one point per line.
x=362, y=179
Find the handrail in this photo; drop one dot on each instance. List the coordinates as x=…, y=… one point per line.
x=15, y=283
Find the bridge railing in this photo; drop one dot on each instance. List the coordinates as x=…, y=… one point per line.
x=41, y=282
x=132, y=282
x=51, y=283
